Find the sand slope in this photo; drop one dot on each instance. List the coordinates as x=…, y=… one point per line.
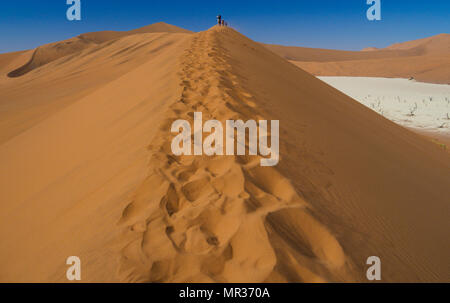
x=95, y=178
x=439, y=44
x=426, y=60
x=53, y=51
x=65, y=177
x=160, y=27
x=64, y=80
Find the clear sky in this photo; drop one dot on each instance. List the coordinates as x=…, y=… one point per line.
x=334, y=24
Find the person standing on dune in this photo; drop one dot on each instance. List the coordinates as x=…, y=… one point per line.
x=219, y=20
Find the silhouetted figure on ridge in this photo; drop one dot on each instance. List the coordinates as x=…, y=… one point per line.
x=221, y=21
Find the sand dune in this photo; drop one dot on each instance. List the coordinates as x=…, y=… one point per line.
x=160, y=27
x=93, y=175
x=439, y=44
x=64, y=80
x=369, y=49
x=65, y=176
x=305, y=54
x=53, y=51
x=427, y=60
x=6, y=59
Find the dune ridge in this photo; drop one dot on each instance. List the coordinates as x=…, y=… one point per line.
x=54, y=51
x=52, y=86
x=202, y=219
x=205, y=236
x=435, y=44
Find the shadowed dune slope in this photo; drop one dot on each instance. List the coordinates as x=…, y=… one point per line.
x=426, y=60
x=53, y=51
x=97, y=179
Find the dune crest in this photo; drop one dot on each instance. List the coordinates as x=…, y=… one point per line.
x=54, y=51
x=435, y=44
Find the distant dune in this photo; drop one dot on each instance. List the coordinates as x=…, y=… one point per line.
x=369, y=49
x=51, y=52
x=161, y=27
x=426, y=60
x=87, y=170
x=439, y=44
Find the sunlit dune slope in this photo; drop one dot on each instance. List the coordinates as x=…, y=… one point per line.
x=96, y=177
x=160, y=27
x=66, y=174
x=6, y=59
x=53, y=51
x=439, y=44
x=31, y=98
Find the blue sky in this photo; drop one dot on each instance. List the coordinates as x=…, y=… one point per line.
x=334, y=24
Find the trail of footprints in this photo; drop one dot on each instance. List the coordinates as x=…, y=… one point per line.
x=201, y=219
